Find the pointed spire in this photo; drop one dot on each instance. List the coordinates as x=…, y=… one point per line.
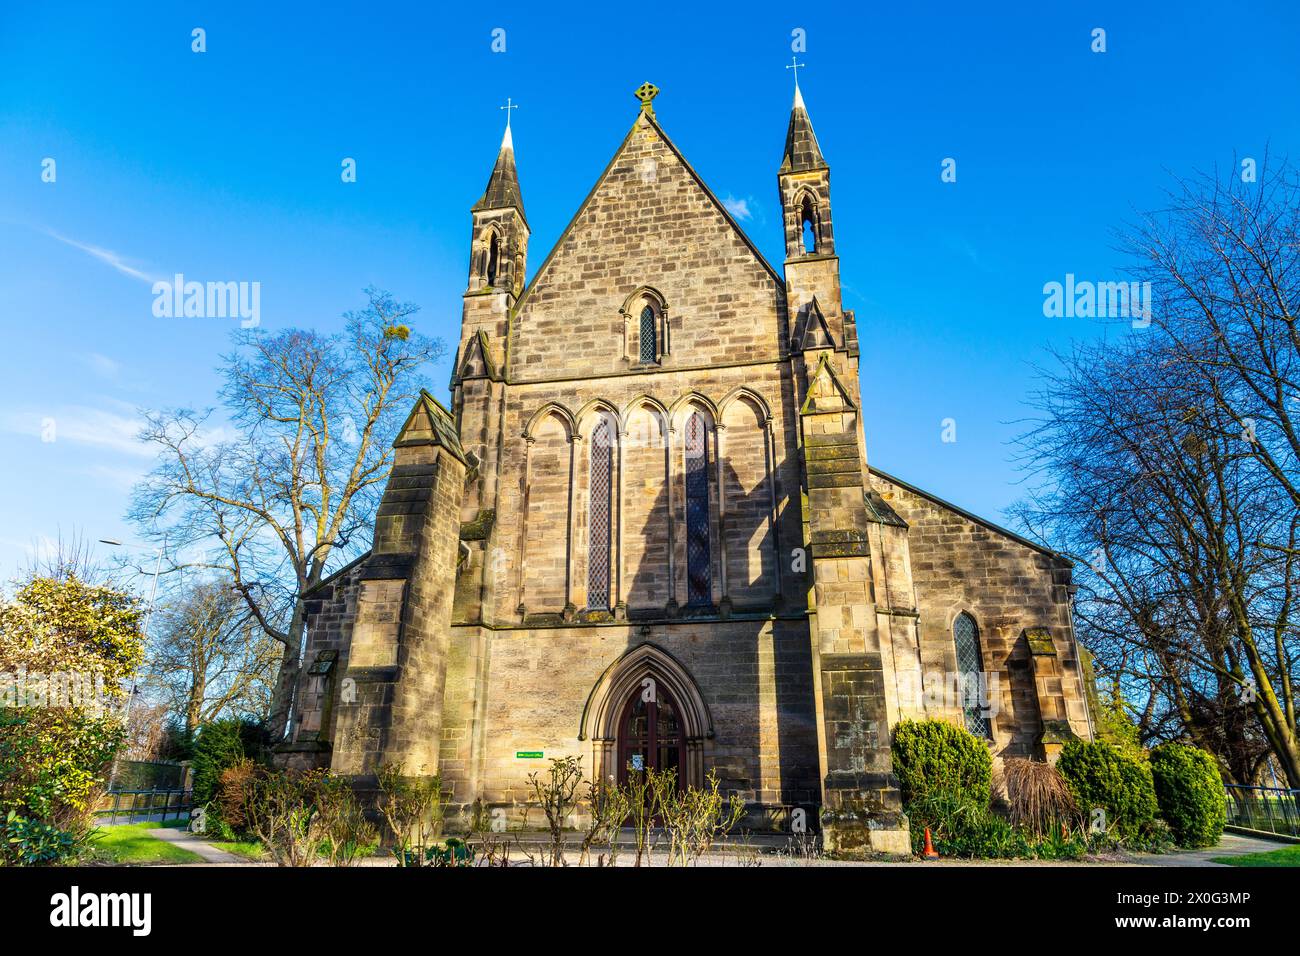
x=503, y=185
x=801, y=149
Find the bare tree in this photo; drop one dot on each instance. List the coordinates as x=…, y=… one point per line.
x=210, y=658
x=292, y=493
x=1168, y=466
x=146, y=732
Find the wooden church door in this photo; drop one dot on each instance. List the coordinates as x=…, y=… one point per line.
x=650, y=736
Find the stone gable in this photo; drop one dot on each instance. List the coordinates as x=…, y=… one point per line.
x=648, y=222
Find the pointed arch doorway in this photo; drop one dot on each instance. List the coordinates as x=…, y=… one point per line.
x=618, y=719
x=650, y=734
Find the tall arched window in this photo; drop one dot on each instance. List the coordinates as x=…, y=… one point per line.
x=808, y=225
x=970, y=668
x=494, y=258
x=698, y=575
x=598, y=541
x=648, y=351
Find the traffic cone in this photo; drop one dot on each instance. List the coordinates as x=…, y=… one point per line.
x=930, y=853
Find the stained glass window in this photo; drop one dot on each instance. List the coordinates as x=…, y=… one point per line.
x=970, y=668
x=649, y=349
x=598, y=544
x=699, y=590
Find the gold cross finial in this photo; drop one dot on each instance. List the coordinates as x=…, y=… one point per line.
x=646, y=92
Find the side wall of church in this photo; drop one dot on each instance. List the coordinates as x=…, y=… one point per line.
x=331, y=615
x=1007, y=587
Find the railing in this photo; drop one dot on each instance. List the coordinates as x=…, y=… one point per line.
x=135, y=805
x=1271, y=809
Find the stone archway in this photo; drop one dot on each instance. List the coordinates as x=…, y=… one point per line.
x=646, y=668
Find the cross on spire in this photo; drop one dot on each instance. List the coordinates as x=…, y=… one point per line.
x=796, y=66
x=510, y=105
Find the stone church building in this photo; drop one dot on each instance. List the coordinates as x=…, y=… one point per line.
x=646, y=531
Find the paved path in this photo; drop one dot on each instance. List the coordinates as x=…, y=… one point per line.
x=1232, y=844
x=188, y=841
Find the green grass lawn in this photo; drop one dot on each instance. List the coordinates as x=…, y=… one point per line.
x=248, y=850
x=1287, y=856
x=131, y=843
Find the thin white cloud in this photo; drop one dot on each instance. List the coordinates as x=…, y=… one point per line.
x=106, y=256
x=119, y=479
x=39, y=548
x=82, y=425
x=102, y=365
x=738, y=208
x=961, y=246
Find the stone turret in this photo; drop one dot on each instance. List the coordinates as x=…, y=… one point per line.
x=852, y=629
x=498, y=259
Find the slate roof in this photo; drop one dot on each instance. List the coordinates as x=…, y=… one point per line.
x=801, y=150
x=502, y=190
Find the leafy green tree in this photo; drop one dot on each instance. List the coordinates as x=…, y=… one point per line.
x=66, y=649
x=218, y=746
x=1115, y=726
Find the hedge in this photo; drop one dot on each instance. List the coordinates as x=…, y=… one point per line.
x=1100, y=775
x=934, y=755
x=1190, y=793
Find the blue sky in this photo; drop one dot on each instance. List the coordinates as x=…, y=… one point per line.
x=225, y=166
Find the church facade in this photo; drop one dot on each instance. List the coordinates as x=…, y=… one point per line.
x=646, y=532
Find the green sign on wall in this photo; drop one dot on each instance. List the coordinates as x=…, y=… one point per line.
x=528, y=755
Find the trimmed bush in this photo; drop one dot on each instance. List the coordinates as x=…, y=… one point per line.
x=1100, y=775
x=934, y=755
x=1190, y=793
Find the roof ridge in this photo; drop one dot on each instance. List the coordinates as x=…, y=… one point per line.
x=969, y=515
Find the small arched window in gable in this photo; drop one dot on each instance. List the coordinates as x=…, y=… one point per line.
x=494, y=258
x=648, y=349
x=970, y=669
x=601, y=487
x=808, y=225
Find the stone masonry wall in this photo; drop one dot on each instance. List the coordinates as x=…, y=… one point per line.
x=755, y=677
x=649, y=223
x=1007, y=586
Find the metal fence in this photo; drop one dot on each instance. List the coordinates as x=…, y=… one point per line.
x=133, y=806
x=1271, y=809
